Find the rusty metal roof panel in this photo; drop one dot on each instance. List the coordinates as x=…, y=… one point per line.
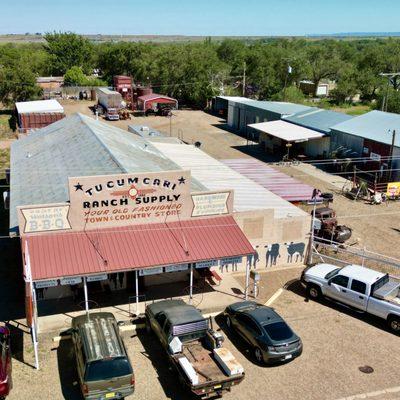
x=271, y=179
x=60, y=255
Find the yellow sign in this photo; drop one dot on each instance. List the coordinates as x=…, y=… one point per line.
x=393, y=189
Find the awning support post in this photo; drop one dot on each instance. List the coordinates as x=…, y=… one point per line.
x=246, y=290
x=34, y=328
x=86, y=294
x=191, y=284
x=137, y=292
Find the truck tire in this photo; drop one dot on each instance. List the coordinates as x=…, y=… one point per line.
x=313, y=292
x=394, y=323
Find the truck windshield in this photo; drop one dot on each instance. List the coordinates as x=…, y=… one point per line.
x=331, y=274
x=107, y=369
x=190, y=336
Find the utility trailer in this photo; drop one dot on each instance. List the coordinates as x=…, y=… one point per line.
x=111, y=102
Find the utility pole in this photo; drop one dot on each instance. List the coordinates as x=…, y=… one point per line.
x=244, y=79
x=393, y=79
x=391, y=154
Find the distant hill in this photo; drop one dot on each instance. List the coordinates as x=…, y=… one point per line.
x=38, y=38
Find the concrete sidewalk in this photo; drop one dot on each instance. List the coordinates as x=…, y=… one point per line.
x=228, y=291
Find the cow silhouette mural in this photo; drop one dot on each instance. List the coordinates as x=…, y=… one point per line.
x=272, y=254
x=295, y=251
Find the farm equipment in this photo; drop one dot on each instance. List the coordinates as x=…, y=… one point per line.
x=326, y=226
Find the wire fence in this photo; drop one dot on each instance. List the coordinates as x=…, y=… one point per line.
x=340, y=254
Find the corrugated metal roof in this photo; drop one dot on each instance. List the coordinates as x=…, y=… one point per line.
x=59, y=255
x=318, y=119
x=106, y=90
x=39, y=106
x=215, y=175
x=287, y=131
x=144, y=131
x=76, y=146
x=154, y=96
x=374, y=125
x=279, y=107
x=277, y=182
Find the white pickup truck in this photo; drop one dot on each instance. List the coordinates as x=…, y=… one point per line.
x=359, y=287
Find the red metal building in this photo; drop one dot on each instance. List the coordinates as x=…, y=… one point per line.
x=151, y=101
x=123, y=85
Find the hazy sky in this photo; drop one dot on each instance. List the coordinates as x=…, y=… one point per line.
x=200, y=17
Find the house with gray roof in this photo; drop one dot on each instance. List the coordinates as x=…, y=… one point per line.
x=78, y=145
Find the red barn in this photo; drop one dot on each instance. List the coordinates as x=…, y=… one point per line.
x=151, y=101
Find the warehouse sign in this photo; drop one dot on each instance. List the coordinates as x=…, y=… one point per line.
x=210, y=204
x=108, y=201
x=44, y=219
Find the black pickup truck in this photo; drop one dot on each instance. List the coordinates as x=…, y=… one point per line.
x=194, y=348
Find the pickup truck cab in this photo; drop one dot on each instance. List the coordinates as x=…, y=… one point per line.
x=358, y=287
x=193, y=348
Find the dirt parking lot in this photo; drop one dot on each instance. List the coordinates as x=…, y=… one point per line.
x=336, y=343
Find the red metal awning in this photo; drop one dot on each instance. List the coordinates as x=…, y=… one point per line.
x=58, y=255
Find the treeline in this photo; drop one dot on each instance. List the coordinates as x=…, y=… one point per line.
x=194, y=72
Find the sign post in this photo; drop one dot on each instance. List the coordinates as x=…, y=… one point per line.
x=247, y=279
x=137, y=292
x=34, y=328
x=191, y=284
x=86, y=295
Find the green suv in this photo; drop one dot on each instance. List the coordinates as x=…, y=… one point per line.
x=104, y=369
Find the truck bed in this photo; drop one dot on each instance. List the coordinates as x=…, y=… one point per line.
x=204, y=363
x=389, y=292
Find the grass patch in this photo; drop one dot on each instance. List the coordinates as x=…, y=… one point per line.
x=7, y=121
x=358, y=109
x=4, y=162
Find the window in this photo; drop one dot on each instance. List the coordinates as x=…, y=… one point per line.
x=248, y=323
x=278, y=331
x=358, y=286
x=107, y=369
x=340, y=280
x=160, y=318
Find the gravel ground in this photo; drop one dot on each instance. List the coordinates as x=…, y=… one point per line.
x=336, y=343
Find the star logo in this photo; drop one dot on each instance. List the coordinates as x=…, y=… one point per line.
x=181, y=180
x=78, y=187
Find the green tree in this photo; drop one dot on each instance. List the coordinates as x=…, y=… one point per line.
x=391, y=98
x=292, y=94
x=68, y=49
x=322, y=61
x=18, y=84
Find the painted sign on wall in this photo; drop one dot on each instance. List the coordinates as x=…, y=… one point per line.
x=44, y=219
x=118, y=200
x=210, y=204
x=127, y=199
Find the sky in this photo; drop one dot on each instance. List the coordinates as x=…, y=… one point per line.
x=200, y=17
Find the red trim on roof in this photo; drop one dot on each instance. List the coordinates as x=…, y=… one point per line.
x=59, y=255
x=155, y=96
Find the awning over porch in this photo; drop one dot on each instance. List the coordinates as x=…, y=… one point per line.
x=287, y=131
x=59, y=255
